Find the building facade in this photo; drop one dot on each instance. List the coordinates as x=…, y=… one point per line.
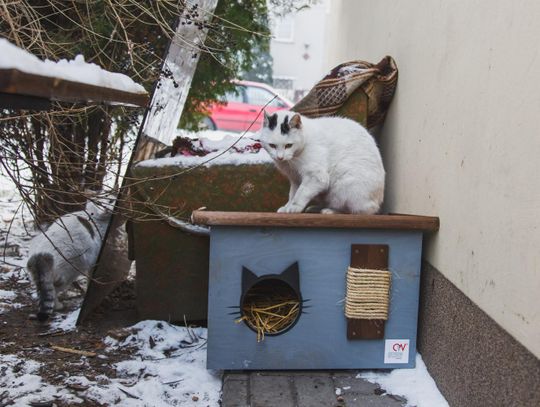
x=298, y=49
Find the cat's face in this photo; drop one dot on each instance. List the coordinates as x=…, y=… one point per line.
x=281, y=135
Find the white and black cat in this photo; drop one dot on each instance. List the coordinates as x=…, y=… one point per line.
x=65, y=252
x=331, y=162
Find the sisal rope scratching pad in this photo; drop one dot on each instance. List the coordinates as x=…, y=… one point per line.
x=368, y=293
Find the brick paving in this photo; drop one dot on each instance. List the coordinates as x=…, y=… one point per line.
x=303, y=389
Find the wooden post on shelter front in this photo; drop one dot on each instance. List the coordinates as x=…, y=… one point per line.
x=368, y=256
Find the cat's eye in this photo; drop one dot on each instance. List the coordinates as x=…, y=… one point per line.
x=272, y=145
x=288, y=145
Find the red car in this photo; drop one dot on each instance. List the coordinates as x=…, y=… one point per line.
x=243, y=106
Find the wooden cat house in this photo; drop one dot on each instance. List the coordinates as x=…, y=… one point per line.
x=172, y=263
x=353, y=281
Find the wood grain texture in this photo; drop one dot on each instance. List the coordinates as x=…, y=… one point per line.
x=13, y=81
x=373, y=256
x=23, y=102
x=315, y=220
x=181, y=61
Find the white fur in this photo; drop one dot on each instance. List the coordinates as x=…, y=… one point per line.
x=329, y=161
x=73, y=248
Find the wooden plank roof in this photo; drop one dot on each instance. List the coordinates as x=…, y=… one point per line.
x=315, y=220
x=17, y=83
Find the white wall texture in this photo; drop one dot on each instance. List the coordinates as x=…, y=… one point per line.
x=309, y=28
x=462, y=138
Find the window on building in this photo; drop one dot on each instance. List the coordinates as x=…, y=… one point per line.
x=283, y=83
x=284, y=29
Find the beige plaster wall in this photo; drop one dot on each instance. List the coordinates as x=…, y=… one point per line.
x=462, y=139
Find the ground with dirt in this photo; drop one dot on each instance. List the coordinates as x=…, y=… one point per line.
x=110, y=360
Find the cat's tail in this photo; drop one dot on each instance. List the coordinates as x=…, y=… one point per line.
x=41, y=267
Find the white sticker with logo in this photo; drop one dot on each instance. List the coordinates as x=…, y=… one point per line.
x=396, y=351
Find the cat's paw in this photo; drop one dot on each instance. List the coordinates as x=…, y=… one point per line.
x=294, y=208
x=290, y=208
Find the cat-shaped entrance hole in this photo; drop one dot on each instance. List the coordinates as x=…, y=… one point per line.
x=271, y=304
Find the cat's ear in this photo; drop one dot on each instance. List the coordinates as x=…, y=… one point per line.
x=295, y=122
x=291, y=275
x=266, y=119
x=248, y=279
x=270, y=121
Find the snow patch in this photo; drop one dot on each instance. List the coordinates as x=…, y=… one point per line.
x=215, y=135
x=168, y=368
x=65, y=322
x=76, y=70
x=6, y=301
x=171, y=365
x=416, y=385
x=7, y=295
x=225, y=149
x=21, y=384
x=216, y=158
x=7, y=307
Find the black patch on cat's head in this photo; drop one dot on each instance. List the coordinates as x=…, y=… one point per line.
x=285, y=126
x=270, y=121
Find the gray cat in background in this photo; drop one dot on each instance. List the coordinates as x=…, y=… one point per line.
x=63, y=253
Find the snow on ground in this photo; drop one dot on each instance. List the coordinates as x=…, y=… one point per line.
x=164, y=365
x=7, y=301
x=20, y=383
x=7, y=295
x=65, y=322
x=170, y=365
x=167, y=368
x=76, y=70
x=416, y=385
x=13, y=245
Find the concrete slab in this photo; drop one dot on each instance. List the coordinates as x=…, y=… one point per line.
x=303, y=389
x=271, y=391
x=348, y=383
x=235, y=391
x=314, y=391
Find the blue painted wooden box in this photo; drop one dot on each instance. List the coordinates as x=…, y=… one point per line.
x=267, y=244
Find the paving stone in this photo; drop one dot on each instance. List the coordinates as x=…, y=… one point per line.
x=315, y=391
x=350, y=384
x=302, y=389
x=271, y=391
x=294, y=373
x=235, y=391
x=235, y=376
x=363, y=400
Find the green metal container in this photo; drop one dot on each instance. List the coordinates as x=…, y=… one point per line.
x=171, y=264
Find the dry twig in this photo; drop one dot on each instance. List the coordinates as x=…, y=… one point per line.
x=74, y=351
